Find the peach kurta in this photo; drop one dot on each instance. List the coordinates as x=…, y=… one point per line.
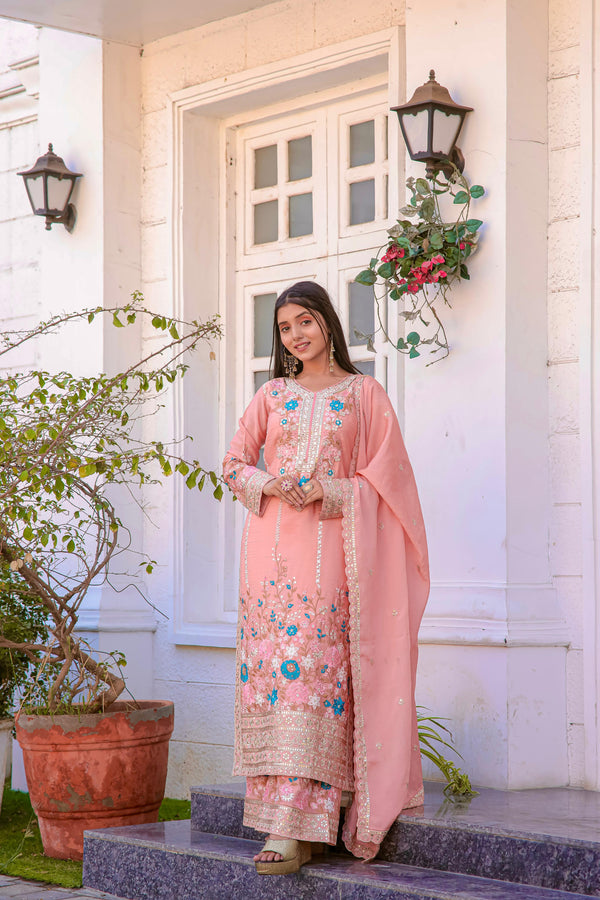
x=330, y=601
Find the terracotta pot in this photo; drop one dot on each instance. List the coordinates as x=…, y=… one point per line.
x=95, y=771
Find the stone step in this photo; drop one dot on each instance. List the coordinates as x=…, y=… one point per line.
x=548, y=837
x=169, y=861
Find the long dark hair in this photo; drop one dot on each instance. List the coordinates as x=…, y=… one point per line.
x=311, y=296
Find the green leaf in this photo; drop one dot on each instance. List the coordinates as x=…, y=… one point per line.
x=473, y=225
x=401, y=345
x=131, y=318
x=27, y=533
x=423, y=186
x=191, y=479
x=373, y=262
x=90, y=317
x=201, y=483
x=436, y=241
x=89, y=469
x=413, y=353
x=413, y=338
x=71, y=546
x=477, y=191
x=157, y=322
x=367, y=276
x=428, y=208
x=173, y=332
x=464, y=272
x=461, y=197
x=213, y=478
x=218, y=492
x=149, y=568
x=182, y=467
x=117, y=322
x=385, y=270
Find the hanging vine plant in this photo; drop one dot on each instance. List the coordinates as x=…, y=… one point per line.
x=422, y=259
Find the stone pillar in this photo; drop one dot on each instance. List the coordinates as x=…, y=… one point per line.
x=90, y=109
x=493, y=641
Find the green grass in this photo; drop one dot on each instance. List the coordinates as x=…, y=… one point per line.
x=21, y=852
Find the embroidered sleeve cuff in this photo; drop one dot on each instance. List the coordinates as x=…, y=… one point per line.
x=254, y=491
x=333, y=497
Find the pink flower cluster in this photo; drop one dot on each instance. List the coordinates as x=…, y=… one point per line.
x=395, y=252
x=424, y=274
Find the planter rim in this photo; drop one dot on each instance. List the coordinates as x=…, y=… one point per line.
x=142, y=711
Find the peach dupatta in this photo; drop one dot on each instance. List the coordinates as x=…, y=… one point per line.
x=388, y=580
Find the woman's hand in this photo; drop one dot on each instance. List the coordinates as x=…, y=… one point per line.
x=294, y=496
x=312, y=490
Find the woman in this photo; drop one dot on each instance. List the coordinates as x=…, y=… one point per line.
x=333, y=582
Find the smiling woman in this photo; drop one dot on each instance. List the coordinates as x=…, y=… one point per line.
x=333, y=581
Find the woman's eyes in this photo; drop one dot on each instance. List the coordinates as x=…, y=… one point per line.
x=285, y=328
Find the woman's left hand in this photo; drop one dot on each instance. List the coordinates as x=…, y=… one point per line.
x=312, y=490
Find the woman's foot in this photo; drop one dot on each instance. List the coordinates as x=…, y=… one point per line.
x=282, y=856
x=269, y=855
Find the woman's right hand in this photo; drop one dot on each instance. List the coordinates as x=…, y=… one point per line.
x=294, y=496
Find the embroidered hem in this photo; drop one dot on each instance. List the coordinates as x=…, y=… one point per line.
x=298, y=824
x=296, y=743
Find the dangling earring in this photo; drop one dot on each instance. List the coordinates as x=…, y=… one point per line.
x=291, y=364
x=331, y=352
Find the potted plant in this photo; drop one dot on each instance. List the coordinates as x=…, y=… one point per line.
x=422, y=259
x=20, y=620
x=66, y=442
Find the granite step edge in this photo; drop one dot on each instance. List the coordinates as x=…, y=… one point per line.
x=235, y=793
x=394, y=879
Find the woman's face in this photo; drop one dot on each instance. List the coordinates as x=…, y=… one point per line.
x=301, y=332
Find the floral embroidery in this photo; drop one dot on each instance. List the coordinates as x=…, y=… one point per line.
x=337, y=405
x=291, y=404
x=290, y=669
x=244, y=672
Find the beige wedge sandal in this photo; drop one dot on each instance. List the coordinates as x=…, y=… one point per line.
x=294, y=853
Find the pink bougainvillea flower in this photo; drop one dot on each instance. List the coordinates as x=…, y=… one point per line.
x=394, y=252
x=413, y=287
x=438, y=259
x=427, y=265
x=443, y=274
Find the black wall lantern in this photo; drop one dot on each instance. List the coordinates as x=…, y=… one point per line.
x=49, y=187
x=430, y=123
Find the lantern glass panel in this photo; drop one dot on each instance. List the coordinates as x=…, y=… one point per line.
x=416, y=128
x=35, y=189
x=445, y=131
x=59, y=190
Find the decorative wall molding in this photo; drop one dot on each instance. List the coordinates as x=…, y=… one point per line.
x=19, y=93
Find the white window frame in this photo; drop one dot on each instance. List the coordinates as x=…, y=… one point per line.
x=203, y=280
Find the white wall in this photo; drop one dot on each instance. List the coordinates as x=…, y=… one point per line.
x=502, y=567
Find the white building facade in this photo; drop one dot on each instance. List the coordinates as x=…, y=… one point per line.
x=225, y=159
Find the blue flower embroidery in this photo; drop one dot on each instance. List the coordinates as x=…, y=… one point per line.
x=272, y=697
x=232, y=476
x=260, y=603
x=338, y=422
x=330, y=473
x=242, y=635
x=338, y=706
x=282, y=471
x=292, y=630
x=273, y=393
x=303, y=480
x=244, y=673
x=291, y=404
x=325, y=786
x=337, y=405
x=290, y=669
x=284, y=421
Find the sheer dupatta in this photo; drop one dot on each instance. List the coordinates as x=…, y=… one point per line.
x=388, y=580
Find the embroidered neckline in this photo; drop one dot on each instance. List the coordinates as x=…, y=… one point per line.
x=296, y=388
